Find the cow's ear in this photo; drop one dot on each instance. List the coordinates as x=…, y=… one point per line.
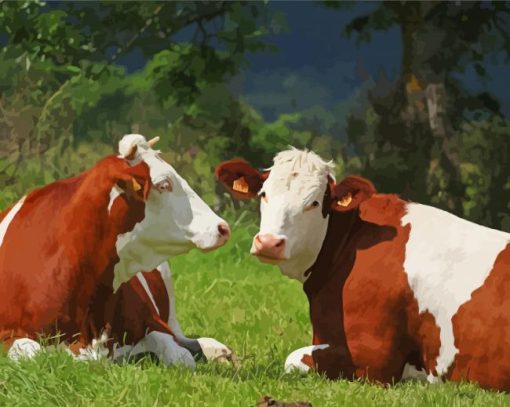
x=350, y=193
x=136, y=181
x=241, y=179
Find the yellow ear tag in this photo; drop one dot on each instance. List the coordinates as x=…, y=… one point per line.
x=345, y=201
x=136, y=185
x=240, y=185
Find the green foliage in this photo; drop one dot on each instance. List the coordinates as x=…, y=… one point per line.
x=60, y=85
x=274, y=137
x=486, y=165
x=411, y=138
x=58, y=163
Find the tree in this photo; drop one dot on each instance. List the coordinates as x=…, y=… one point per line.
x=60, y=68
x=419, y=116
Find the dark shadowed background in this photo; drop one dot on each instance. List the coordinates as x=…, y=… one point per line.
x=413, y=95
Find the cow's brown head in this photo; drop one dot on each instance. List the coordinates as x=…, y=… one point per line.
x=297, y=194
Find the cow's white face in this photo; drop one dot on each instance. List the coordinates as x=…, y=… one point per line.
x=292, y=224
x=292, y=193
x=176, y=218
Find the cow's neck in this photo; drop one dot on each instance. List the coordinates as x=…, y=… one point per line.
x=325, y=282
x=347, y=233
x=93, y=259
x=342, y=228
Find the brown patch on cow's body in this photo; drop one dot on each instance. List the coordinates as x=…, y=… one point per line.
x=482, y=331
x=360, y=300
x=159, y=293
x=131, y=314
x=58, y=248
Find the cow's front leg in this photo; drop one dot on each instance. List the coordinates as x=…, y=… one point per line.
x=160, y=344
x=337, y=361
x=301, y=359
x=331, y=360
x=210, y=348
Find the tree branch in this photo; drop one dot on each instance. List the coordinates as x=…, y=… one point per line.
x=148, y=22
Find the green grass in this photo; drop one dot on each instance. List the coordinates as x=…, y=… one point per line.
x=262, y=315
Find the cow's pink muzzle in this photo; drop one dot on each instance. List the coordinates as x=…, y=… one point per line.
x=268, y=248
x=222, y=237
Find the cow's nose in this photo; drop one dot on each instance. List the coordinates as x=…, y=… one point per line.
x=221, y=235
x=224, y=231
x=269, y=246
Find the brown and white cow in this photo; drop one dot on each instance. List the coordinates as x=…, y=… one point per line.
x=395, y=289
x=56, y=243
x=66, y=247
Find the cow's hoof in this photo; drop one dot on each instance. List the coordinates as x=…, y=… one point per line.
x=216, y=351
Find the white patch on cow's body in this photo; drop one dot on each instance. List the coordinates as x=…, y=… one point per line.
x=23, y=348
x=114, y=194
x=166, y=275
x=447, y=258
x=294, y=360
x=97, y=350
x=8, y=219
x=297, y=179
x=148, y=291
x=175, y=221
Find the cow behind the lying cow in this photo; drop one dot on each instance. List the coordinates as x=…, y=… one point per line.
x=141, y=313
x=56, y=243
x=395, y=288
x=65, y=247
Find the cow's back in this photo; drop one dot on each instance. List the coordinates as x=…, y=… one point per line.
x=481, y=328
x=27, y=255
x=59, y=244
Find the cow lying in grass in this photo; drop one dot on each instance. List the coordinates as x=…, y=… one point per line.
x=395, y=289
x=66, y=247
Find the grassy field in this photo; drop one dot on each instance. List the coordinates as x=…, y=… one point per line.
x=250, y=307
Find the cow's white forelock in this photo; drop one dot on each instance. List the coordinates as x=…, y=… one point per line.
x=308, y=168
x=290, y=161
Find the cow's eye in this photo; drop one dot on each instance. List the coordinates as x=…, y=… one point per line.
x=313, y=205
x=164, y=186
x=263, y=196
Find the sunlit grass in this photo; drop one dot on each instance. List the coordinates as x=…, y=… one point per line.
x=262, y=315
